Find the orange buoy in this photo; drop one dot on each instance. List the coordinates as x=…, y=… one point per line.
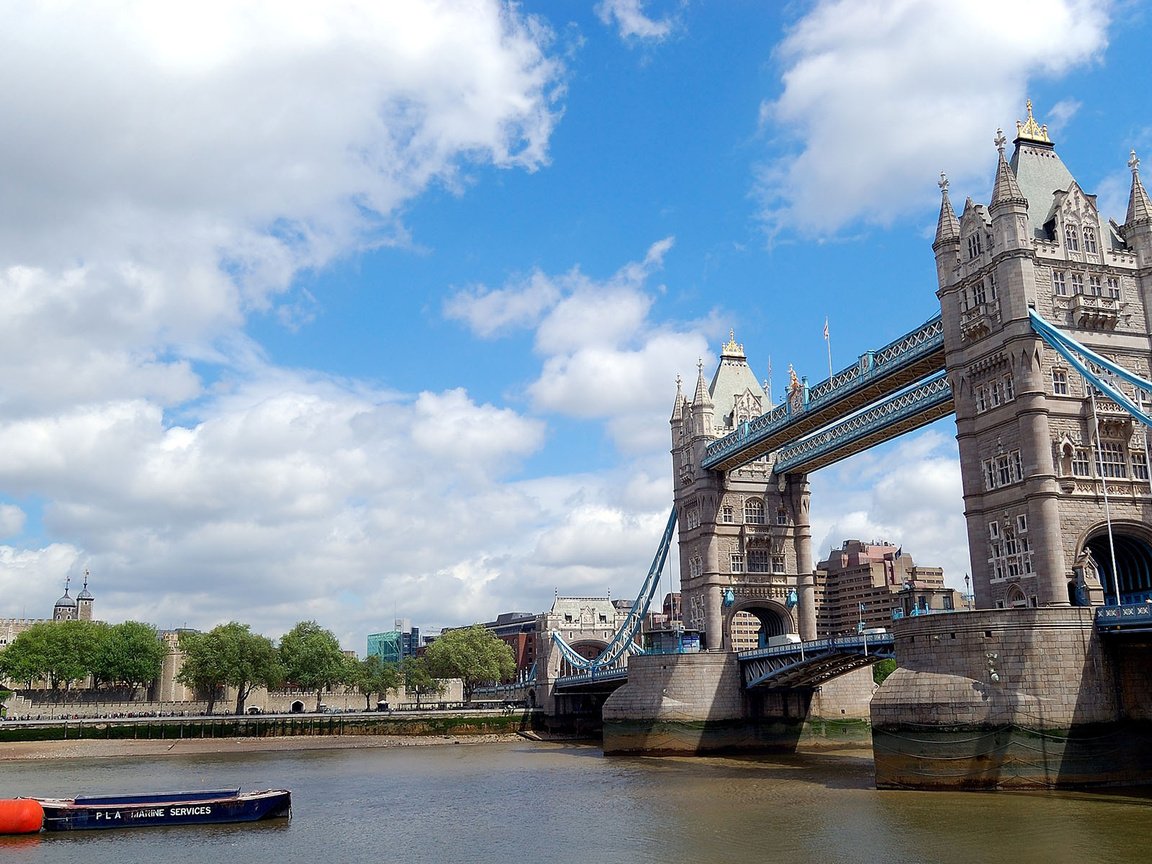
x=21, y=816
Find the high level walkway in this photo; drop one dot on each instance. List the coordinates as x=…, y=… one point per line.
x=878, y=378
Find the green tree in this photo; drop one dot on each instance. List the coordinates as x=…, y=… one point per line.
x=471, y=654
x=882, y=669
x=130, y=654
x=72, y=648
x=229, y=655
x=372, y=676
x=26, y=659
x=418, y=678
x=312, y=658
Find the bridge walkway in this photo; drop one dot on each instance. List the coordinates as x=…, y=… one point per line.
x=877, y=375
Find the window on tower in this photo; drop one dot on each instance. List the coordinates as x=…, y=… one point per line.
x=754, y=511
x=1059, y=283
x=1059, y=382
x=1089, y=239
x=1071, y=238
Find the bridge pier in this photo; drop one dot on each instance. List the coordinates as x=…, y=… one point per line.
x=693, y=704
x=1019, y=698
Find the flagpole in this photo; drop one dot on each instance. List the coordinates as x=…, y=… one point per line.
x=828, y=342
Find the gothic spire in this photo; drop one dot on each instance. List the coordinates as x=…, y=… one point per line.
x=701, y=398
x=1139, y=207
x=1007, y=189
x=948, y=226
x=678, y=405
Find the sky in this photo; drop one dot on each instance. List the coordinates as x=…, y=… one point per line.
x=360, y=311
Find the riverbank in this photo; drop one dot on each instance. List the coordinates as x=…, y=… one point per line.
x=101, y=748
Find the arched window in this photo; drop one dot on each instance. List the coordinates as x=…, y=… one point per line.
x=1071, y=238
x=754, y=511
x=1089, y=239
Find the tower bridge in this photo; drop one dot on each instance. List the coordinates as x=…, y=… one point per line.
x=1042, y=352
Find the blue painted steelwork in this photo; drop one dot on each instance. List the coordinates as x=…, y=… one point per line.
x=1083, y=359
x=614, y=675
x=809, y=664
x=1120, y=619
x=614, y=656
x=898, y=364
x=896, y=415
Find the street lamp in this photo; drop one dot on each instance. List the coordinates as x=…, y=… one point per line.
x=968, y=592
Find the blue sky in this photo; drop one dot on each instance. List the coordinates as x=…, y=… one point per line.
x=354, y=313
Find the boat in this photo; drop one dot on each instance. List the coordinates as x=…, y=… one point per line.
x=202, y=807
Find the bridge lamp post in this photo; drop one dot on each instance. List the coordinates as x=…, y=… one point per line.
x=968, y=592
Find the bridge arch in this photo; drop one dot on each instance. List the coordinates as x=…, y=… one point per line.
x=774, y=617
x=1133, y=545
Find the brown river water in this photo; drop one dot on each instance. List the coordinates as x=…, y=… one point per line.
x=557, y=802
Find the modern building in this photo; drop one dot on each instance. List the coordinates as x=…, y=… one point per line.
x=868, y=584
x=517, y=630
x=393, y=646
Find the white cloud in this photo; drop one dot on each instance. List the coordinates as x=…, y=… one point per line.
x=880, y=95
x=632, y=23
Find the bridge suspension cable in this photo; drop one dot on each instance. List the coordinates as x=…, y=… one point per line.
x=623, y=642
x=1083, y=359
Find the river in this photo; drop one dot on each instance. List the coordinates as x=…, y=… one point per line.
x=569, y=804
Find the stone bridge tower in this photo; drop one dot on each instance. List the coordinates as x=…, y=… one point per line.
x=1055, y=477
x=744, y=535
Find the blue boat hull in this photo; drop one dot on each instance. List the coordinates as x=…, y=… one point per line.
x=139, y=812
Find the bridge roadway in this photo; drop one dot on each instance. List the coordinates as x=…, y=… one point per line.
x=877, y=375
x=810, y=664
x=801, y=664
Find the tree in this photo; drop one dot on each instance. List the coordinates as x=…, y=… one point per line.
x=26, y=658
x=312, y=658
x=70, y=650
x=882, y=669
x=229, y=654
x=471, y=654
x=419, y=679
x=130, y=654
x=373, y=676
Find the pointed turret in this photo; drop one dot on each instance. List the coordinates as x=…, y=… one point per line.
x=1137, y=227
x=678, y=404
x=1139, y=207
x=947, y=226
x=1006, y=189
x=701, y=405
x=1009, y=206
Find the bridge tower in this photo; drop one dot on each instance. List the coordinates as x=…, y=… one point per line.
x=1055, y=477
x=744, y=534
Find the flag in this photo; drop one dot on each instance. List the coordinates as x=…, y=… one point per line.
x=825, y=329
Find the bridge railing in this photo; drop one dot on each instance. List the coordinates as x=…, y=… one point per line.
x=924, y=340
x=856, y=642
x=1133, y=617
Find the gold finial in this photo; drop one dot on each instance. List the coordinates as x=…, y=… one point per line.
x=733, y=350
x=1031, y=130
x=793, y=381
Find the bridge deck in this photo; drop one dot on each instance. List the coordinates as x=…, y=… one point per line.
x=809, y=664
x=877, y=374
